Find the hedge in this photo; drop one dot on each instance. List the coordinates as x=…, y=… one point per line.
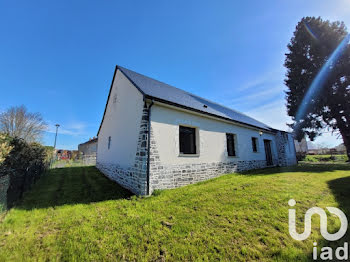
x=326, y=158
x=21, y=164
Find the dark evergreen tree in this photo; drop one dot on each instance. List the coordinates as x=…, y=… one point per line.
x=318, y=79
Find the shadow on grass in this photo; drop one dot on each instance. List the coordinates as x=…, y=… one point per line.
x=69, y=186
x=303, y=167
x=340, y=188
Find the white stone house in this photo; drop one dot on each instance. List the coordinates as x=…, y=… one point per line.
x=155, y=136
x=88, y=151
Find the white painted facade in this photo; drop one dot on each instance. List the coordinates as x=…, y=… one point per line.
x=211, y=133
x=121, y=122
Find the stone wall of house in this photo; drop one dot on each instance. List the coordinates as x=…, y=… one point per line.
x=4, y=185
x=166, y=177
x=285, y=158
x=281, y=140
x=133, y=178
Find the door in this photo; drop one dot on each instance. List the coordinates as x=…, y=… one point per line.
x=268, y=152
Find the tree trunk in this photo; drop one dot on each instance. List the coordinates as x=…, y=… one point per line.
x=345, y=132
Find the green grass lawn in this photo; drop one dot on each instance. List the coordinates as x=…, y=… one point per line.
x=77, y=214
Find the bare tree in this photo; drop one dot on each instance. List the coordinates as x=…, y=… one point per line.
x=18, y=122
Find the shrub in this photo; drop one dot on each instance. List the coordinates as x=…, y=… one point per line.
x=49, y=151
x=23, y=163
x=311, y=158
x=5, y=147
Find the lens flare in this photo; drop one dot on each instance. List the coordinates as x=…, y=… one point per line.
x=308, y=29
x=318, y=82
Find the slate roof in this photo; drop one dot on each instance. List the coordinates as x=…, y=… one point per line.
x=162, y=92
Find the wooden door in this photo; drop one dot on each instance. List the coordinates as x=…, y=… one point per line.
x=268, y=152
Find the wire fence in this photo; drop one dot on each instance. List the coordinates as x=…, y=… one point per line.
x=89, y=160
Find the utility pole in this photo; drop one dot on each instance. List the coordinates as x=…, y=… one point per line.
x=54, y=147
x=57, y=126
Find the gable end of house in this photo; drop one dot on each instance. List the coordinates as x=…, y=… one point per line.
x=110, y=91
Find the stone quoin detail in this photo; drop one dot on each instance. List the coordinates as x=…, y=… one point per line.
x=133, y=178
x=282, y=142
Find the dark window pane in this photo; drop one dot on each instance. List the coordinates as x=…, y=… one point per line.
x=187, y=140
x=255, y=144
x=230, y=145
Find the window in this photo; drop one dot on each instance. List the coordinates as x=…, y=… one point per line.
x=109, y=142
x=230, y=138
x=255, y=144
x=187, y=140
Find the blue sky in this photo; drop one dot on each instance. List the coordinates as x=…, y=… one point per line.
x=58, y=57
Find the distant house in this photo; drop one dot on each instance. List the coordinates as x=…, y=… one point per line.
x=340, y=149
x=319, y=151
x=155, y=136
x=88, y=151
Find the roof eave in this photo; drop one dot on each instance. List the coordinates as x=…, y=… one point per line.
x=205, y=113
